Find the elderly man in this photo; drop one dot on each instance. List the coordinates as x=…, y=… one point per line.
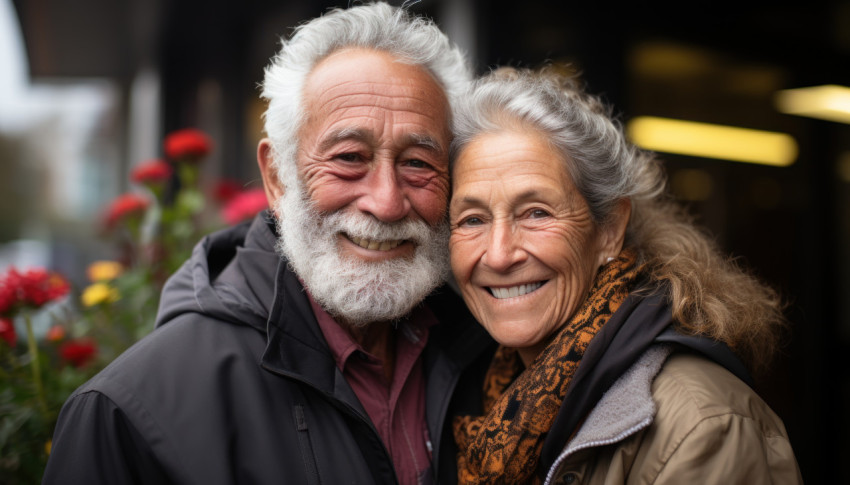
x=313, y=346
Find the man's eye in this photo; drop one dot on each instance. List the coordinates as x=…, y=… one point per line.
x=348, y=157
x=416, y=163
x=538, y=214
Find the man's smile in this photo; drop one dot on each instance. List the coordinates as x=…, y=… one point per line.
x=375, y=245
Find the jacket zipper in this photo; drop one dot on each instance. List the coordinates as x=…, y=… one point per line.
x=343, y=407
x=306, y=447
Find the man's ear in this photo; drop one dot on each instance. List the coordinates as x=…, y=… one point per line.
x=271, y=182
x=613, y=233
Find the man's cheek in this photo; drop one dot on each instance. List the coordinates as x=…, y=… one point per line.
x=431, y=202
x=329, y=193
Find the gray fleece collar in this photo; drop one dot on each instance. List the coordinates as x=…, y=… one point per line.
x=626, y=408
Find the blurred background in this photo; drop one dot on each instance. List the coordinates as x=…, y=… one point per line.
x=89, y=88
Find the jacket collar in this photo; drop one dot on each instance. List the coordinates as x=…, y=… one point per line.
x=296, y=347
x=622, y=340
x=257, y=260
x=455, y=345
x=626, y=408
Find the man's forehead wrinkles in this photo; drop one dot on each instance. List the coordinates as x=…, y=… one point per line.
x=369, y=117
x=378, y=85
x=398, y=102
x=377, y=115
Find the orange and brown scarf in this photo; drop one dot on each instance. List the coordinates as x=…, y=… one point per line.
x=504, y=445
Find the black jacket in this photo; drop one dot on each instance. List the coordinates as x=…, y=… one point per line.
x=237, y=385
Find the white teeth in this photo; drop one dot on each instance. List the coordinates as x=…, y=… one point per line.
x=375, y=245
x=515, y=291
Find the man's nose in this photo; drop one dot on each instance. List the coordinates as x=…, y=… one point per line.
x=504, y=248
x=384, y=198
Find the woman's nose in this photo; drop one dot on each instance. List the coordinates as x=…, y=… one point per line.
x=504, y=249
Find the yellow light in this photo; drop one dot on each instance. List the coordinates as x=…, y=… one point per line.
x=712, y=141
x=829, y=102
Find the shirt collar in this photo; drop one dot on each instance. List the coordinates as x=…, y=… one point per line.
x=342, y=345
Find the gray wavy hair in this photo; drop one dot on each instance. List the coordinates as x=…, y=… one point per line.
x=709, y=293
x=378, y=26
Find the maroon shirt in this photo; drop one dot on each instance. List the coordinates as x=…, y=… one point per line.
x=397, y=410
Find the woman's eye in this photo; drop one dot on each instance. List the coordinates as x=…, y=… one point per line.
x=538, y=214
x=471, y=221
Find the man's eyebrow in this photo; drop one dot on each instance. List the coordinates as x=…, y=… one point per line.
x=342, y=134
x=427, y=142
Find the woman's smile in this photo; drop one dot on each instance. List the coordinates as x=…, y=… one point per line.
x=524, y=247
x=504, y=292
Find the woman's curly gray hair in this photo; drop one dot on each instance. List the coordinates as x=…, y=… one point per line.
x=605, y=168
x=710, y=294
x=414, y=40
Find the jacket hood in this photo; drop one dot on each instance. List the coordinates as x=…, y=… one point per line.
x=230, y=276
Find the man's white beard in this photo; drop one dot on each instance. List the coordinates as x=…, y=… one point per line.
x=357, y=291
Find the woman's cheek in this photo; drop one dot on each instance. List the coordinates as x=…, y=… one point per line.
x=461, y=247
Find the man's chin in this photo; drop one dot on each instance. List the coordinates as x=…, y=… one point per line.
x=361, y=284
x=364, y=292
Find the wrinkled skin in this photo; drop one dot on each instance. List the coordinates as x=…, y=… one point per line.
x=524, y=248
x=375, y=140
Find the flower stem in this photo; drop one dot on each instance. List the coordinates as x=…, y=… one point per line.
x=35, y=365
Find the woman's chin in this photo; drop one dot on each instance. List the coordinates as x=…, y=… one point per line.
x=513, y=334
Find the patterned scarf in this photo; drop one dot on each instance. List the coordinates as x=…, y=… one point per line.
x=504, y=445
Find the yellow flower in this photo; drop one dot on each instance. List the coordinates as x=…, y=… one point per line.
x=104, y=270
x=48, y=447
x=99, y=293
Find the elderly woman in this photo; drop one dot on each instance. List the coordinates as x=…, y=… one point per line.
x=625, y=336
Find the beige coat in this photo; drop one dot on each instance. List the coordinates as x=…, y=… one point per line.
x=692, y=422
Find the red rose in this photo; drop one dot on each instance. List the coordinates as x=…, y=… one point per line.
x=7, y=331
x=152, y=172
x=188, y=145
x=226, y=189
x=39, y=287
x=244, y=205
x=78, y=352
x=124, y=207
x=8, y=294
x=33, y=288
